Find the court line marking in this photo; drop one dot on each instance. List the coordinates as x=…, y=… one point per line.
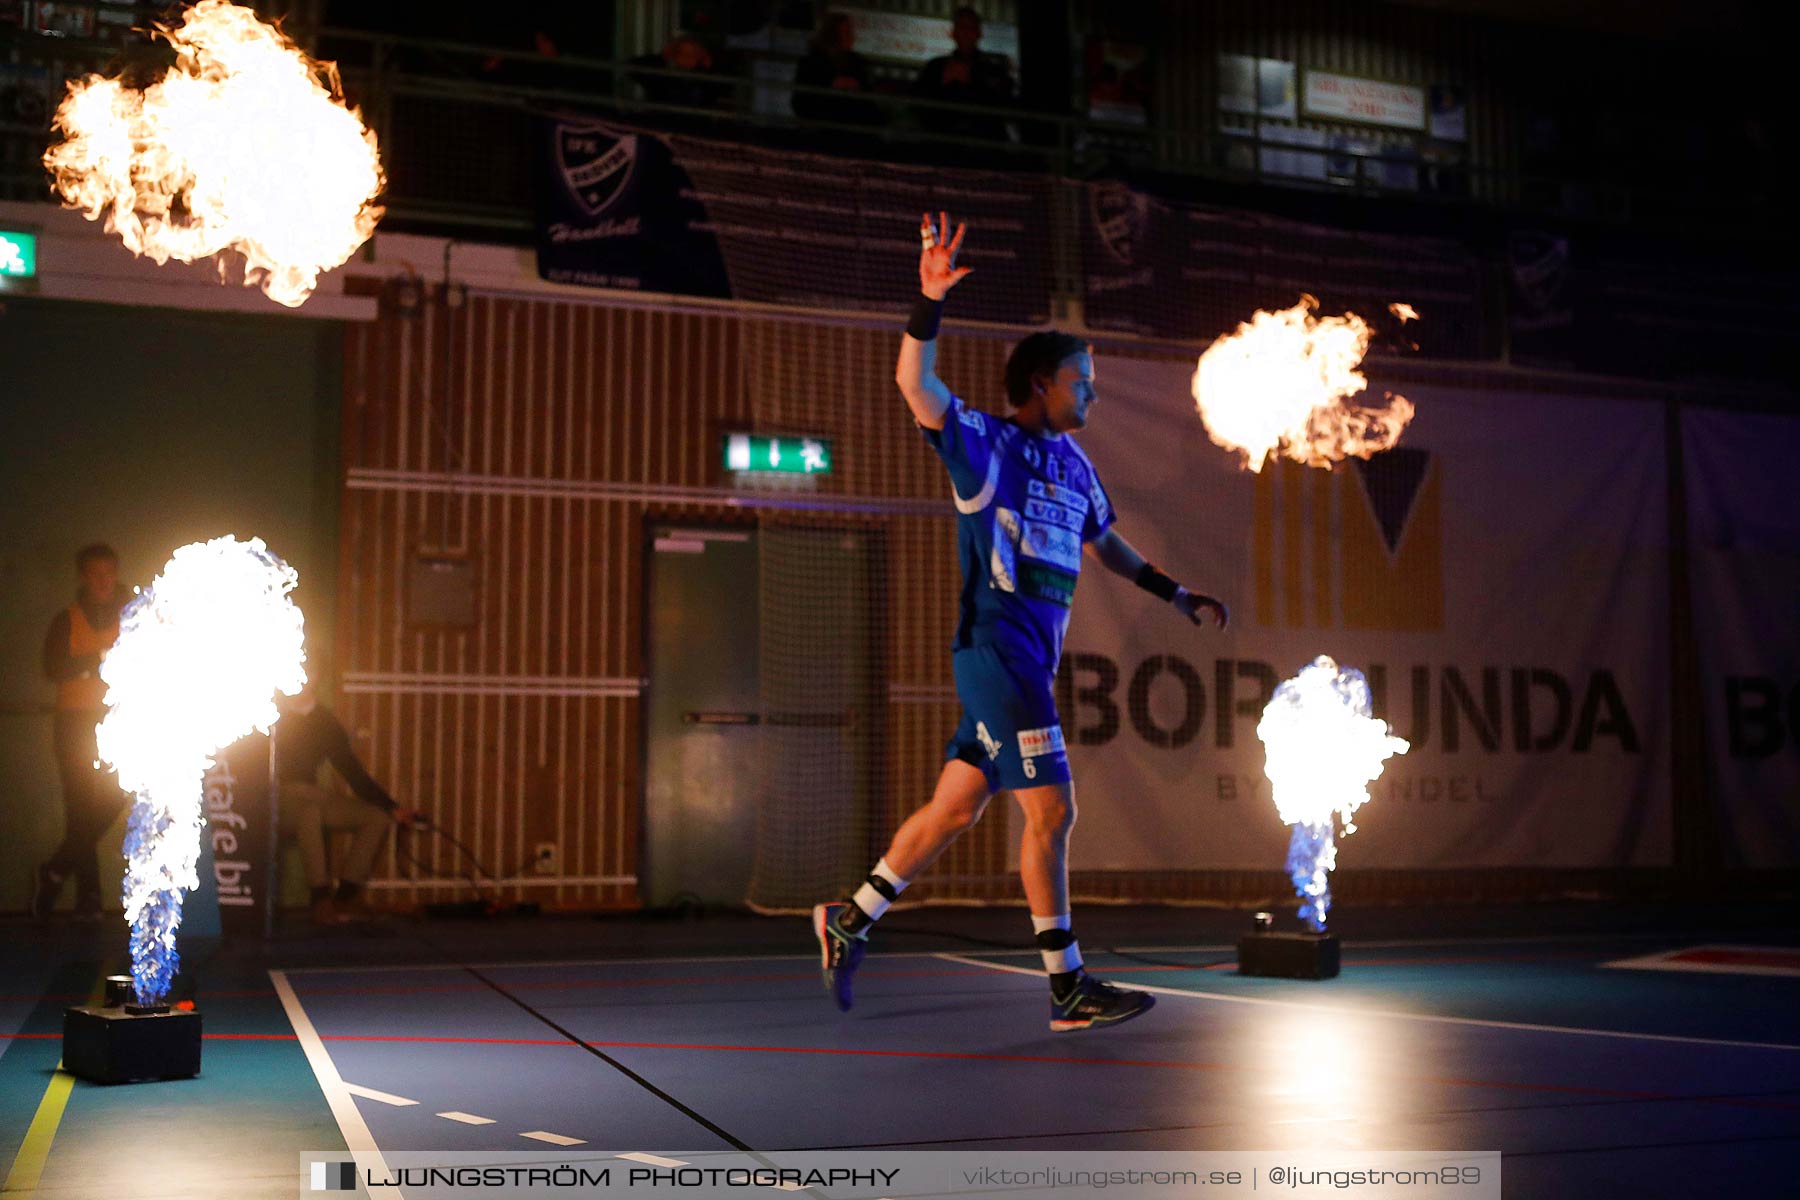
x=652, y=1160
x=555, y=1139
x=1213, y=948
x=34, y=1150
x=1673, y=960
x=572, y=962
x=351, y=1127
x=369, y=1093
x=466, y=1118
x=1341, y=1011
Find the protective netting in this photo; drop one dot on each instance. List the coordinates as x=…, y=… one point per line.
x=856, y=595
x=820, y=710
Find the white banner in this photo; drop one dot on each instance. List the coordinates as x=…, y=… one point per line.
x=1499, y=577
x=1371, y=101
x=1744, y=543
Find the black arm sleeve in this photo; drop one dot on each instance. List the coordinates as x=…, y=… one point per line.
x=343, y=757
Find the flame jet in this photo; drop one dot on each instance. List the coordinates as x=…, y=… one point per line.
x=200, y=655
x=244, y=145
x=1323, y=748
x=1280, y=385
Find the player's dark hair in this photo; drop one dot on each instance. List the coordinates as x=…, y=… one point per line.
x=967, y=10
x=93, y=552
x=1038, y=353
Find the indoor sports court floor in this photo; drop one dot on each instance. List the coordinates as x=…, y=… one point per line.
x=1604, y=1050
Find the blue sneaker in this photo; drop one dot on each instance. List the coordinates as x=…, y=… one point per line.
x=1090, y=1003
x=839, y=952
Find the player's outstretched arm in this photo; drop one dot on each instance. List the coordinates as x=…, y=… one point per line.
x=1122, y=559
x=916, y=372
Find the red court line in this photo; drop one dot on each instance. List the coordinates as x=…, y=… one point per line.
x=970, y=1056
x=1740, y=958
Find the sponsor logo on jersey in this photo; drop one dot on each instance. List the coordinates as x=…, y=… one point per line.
x=972, y=419
x=993, y=747
x=1052, y=544
x=1034, y=742
x=1060, y=495
x=1046, y=581
x=1055, y=514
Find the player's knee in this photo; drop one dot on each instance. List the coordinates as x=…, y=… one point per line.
x=1051, y=816
x=961, y=816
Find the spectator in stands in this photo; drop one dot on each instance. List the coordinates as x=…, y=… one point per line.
x=832, y=62
x=968, y=76
x=687, y=51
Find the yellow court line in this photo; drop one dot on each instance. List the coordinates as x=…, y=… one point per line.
x=34, y=1151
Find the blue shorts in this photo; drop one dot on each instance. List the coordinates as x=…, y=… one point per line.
x=1009, y=729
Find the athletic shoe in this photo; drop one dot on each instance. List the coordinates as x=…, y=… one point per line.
x=1090, y=1002
x=46, y=886
x=839, y=952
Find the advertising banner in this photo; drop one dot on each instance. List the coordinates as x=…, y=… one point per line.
x=1499, y=577
x=1744, y=554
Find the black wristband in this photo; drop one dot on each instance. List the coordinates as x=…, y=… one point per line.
x=926, y=313
x=1156, y=583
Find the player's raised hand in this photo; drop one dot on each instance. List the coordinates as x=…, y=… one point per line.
x=938, y=272
x=1192, y=604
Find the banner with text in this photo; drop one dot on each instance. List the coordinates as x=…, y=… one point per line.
x=627, y=208
x=1499, y=577
x=1744, y=543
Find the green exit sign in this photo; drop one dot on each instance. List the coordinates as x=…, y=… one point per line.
x=783, y=455
x=18, y=254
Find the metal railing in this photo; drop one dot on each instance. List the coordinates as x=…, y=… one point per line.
x=430, y=101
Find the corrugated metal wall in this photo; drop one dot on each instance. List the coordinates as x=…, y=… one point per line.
x=564, y=426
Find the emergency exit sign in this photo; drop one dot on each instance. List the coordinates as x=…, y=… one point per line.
x=749, y=452
x=18, y=254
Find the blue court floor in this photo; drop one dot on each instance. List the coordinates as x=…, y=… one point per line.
x=1611, y=1062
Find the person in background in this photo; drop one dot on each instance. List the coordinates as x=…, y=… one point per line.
x=79, y=636
x=968, y=76
x=832, y=62
x=307, y=736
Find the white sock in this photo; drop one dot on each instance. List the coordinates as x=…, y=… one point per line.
x=869, y=899
x=1057, y=962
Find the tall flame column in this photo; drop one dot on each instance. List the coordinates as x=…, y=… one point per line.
x=200, y=655
x=1324, y=747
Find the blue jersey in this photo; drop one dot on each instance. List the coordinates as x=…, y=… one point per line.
x=1025, y=506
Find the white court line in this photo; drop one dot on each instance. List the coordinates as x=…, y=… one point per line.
x=1342, y=1011
x=343, y=1109
x=369, y=1093
x=652, y=1160
x=555, y=1139
x=466, y=1118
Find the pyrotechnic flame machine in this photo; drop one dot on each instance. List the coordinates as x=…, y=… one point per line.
x=200, y=655
x=1323, y=747
x=244, y=145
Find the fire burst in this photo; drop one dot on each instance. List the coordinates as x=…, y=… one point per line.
x=200, y=655
x=1280, y=384
x=1324, y=747
x=245, y=144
